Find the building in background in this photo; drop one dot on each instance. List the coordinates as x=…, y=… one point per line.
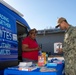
x=47, y=38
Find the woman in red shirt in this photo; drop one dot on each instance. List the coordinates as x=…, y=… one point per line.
x=30, y=47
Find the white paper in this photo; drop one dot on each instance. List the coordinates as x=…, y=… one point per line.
x=25, y=64
x=57, y=45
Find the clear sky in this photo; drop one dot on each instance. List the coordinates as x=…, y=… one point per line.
x=43, y=14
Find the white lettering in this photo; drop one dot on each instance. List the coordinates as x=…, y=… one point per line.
x=6, y=35
x=5, y=23
x=5, y=52
x=4, y=18
x=5, y=45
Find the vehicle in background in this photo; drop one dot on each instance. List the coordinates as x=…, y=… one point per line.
x=12, y=30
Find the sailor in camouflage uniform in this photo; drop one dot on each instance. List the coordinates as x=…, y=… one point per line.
x=69, y=46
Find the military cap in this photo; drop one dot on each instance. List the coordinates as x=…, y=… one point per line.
x=60, y=20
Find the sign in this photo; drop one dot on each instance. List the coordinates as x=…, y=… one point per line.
x=57, y=46
x=8, y=37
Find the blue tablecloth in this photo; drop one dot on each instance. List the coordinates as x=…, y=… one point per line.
x=15, y=71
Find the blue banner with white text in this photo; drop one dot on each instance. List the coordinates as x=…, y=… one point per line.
x=8, y=37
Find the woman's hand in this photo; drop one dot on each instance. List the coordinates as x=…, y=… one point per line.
x=38, y=48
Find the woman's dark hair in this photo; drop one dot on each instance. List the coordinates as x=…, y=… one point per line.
x=32, y=31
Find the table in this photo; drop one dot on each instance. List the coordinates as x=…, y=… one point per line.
x=15, y=71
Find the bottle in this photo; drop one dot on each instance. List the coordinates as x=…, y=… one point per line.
x=46, y=58
x=41, y=61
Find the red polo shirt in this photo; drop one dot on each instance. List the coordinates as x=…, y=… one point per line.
x=31, y=44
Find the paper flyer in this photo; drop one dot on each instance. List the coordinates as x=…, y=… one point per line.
x=57, y=45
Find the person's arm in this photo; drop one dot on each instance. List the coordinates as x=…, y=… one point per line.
x=25, y=48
